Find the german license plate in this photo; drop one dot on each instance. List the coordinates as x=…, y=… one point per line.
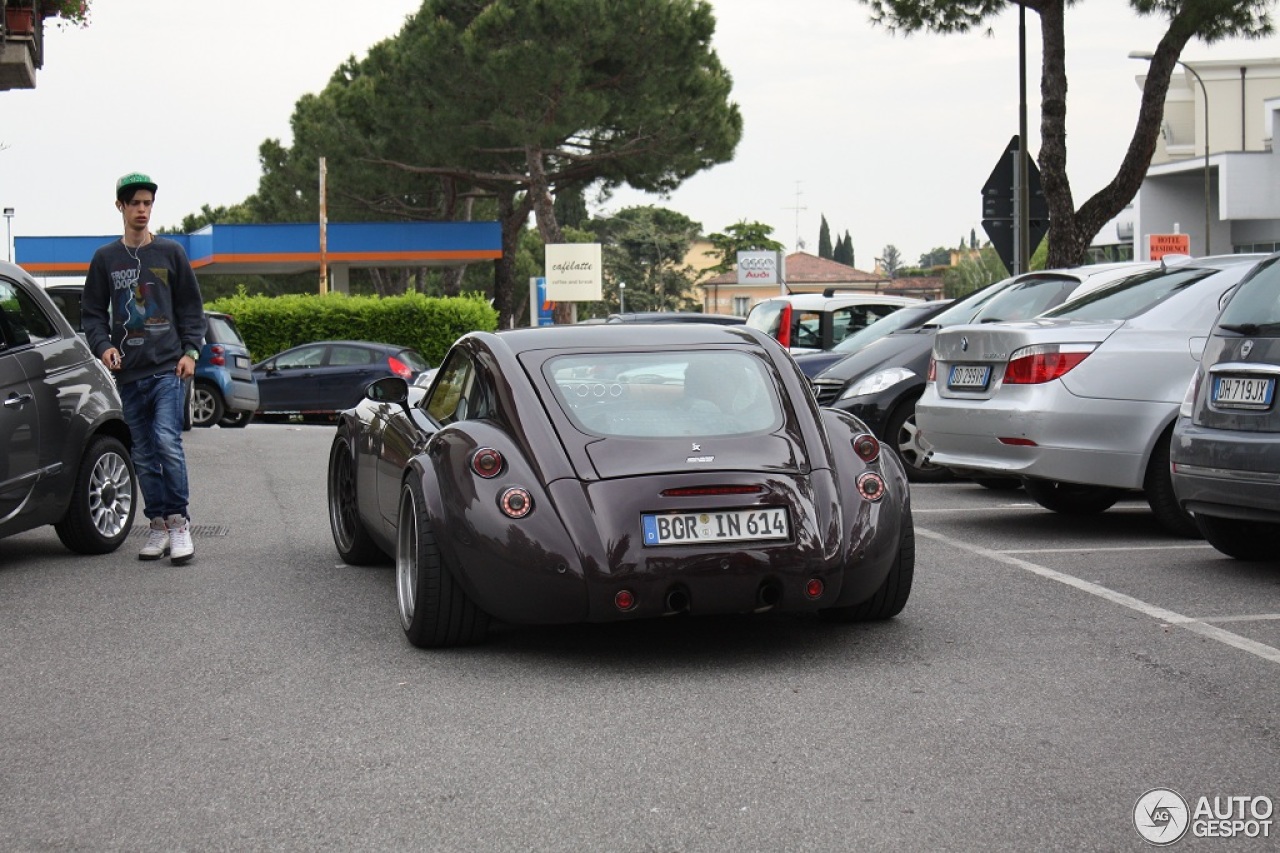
x=1243, y=392
x=968, y=376
x=715, y=526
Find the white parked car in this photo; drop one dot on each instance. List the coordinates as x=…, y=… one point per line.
x=1079, y=402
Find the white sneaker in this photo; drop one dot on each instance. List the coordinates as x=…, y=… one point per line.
x=157, y=541
x=180, y=547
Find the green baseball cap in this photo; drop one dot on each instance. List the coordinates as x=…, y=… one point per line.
x=134, y=181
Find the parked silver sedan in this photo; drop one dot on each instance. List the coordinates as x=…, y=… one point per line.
x=1081, y=401
x=1226, y=444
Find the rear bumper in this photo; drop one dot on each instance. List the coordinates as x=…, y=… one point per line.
x=1226, y=473
x=242, y=396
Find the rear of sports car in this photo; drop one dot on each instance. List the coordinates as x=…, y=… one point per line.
x=696, y=483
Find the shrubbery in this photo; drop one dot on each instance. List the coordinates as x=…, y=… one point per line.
x=430, y=325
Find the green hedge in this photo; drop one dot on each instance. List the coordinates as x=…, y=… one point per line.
x=430, y=325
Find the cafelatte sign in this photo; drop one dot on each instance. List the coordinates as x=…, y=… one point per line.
x=757, y=267
x=573, y=272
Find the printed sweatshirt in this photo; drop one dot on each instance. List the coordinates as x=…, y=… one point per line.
x=146, y=304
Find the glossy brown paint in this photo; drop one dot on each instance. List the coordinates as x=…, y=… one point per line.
x=567, y=559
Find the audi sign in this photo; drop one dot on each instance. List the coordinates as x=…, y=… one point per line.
x=761, y=268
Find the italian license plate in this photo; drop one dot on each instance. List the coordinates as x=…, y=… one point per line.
x=243, y=361
x=715, y=526
x=968, y=376
x=1243, y=392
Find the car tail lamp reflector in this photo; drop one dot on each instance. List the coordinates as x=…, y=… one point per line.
x=624, y=600
x=814, y=588
x=871, y=486
x=217, y=355
x=784, y=326
x=933, y=370
x=1017, y=442
x=399, y=368
x=711, y=491
x=1044, y=363
x=486, y=462
x=516, y=502
x=867, y=447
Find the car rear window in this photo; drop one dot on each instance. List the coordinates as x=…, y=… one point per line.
x=1026, y=299
x=413, y=360
x=220, y=330
x=1257, y=301
x=666, y=394
x=1132, y=296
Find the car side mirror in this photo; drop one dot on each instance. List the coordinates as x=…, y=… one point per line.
x=388, y=389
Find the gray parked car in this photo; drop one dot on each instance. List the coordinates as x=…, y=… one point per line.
x=1080, y=402
x=1226, y=444
x=65, y=458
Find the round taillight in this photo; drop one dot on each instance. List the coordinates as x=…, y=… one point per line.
x=486, y=462
x=871, y=486
x=624, y=600
x=814, y=588
x=516, y=502
x=867, y=447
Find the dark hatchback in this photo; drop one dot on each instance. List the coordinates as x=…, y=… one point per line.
x=65, y=457
x=324, y=377
x=1225, y=451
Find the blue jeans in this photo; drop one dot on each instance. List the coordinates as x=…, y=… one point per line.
x=153, y=410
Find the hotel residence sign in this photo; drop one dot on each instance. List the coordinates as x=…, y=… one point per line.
x=573, y=272
x=758, y=267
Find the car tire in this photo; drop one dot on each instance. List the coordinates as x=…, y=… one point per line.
x=100, y=514
x=1254, y=541
x=206, y=405
x=893, y=593
x=350, y=536
x=236, y=420
x=902, y=434
x=1158, y=484
x=434, y=610
x=999, y=484
x=1071, y=498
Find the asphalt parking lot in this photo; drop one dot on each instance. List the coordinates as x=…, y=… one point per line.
x=1046, y=673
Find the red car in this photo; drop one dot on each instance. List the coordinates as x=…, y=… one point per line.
x=591, y=473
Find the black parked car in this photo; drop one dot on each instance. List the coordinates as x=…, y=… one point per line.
x=65, y=458
x=908, y=317
x=325, y=377
x=582, y=473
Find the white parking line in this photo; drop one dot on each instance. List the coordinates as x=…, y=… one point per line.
x=1168, y=617
x=1203, y=546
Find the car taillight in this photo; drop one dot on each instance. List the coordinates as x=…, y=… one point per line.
x=1188, y=407
x=867, y=447
x=784, y=326
x=399, y=368
x=1044, y=363
x=217, y=358
x=515, y=502
x=933, y=370
x=487, y=463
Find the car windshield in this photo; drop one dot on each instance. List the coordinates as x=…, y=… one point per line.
x=666, y=394
x=900, y=319
x=1254, y=309
x=1131, y=296
x=1026, y=299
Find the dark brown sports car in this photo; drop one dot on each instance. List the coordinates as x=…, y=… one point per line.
x=585, y=473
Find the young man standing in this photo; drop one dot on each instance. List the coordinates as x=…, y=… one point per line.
x=144, y=317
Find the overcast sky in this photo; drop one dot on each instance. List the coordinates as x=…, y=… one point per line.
x=890, y=138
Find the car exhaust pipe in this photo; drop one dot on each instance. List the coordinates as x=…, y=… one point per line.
x=677, y=601
x=769, y=594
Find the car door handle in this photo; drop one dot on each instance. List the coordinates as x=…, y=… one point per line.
x=17, y=401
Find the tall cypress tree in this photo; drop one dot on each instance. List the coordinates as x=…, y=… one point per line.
x=824, y=241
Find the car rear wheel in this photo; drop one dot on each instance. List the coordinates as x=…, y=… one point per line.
x=904, y=436
x=1158, y=485
x=892, y=595
x=100, y=514
x=1257, y=541
x=206, y=405
x=1071, y=498
x=434, y=610
x=350, y=536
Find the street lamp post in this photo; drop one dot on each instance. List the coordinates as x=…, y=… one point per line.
x=1204, y=90
x=8, y=228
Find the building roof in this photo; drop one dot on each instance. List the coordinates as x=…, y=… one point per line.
x=810, y=272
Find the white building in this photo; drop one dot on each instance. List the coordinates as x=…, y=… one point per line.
x=1242, y=210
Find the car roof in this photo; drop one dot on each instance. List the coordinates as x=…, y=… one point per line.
x=824, y=302
x=626, y=335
